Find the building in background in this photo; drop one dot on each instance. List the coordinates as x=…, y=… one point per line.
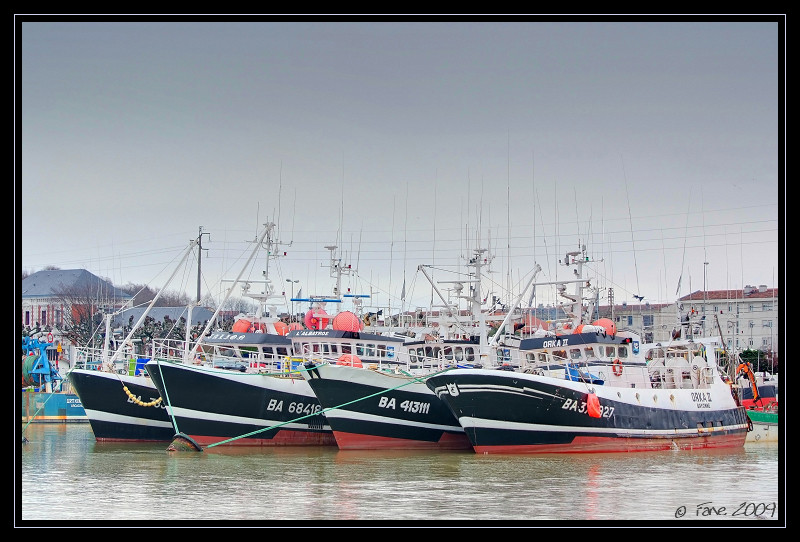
x=47, y=294
x=747, y=319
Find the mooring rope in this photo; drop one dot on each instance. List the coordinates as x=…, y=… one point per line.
x=412, y=381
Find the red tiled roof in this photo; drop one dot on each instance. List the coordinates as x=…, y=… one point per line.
x=699, y=295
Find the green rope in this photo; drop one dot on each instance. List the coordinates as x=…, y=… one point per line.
x=30, y=420
x=418, y=379
x=163, y=383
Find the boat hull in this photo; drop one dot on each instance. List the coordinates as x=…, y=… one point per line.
x=117, y=415
x=765, y=426
x=375, y=410
x=52, y=407
x=231, y=408
x=505, y=412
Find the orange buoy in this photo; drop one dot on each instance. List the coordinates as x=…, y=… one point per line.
x=607, y=324
x=347, y=321
x=316, y=319
x=349, y=359
x=242, y=325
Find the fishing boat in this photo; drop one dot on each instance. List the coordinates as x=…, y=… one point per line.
x=597, y=392
x=760, y=397
x=120, y=400
x=593, y=388
x=373, y=391
x=246, y=390
x=381, y=402
x=249, y=396
x=121, y=407
x=44, y=396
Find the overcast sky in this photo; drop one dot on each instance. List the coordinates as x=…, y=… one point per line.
x=657, y=144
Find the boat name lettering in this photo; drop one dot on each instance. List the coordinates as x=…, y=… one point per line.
x=226, y=336
x=701, y=397
x=73, y=400
x=554, y=343
x=276, y=405
x=580, y=406
x=313, y=333
x=415, y=407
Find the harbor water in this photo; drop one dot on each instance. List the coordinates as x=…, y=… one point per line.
x=66, y=478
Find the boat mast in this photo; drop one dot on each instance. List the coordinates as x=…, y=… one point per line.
x=192, y=244
x=511, y=310
x=267, y=229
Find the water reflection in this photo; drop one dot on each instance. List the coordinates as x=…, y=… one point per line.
x=90, y=480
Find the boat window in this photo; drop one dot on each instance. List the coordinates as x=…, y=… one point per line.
x=371, y=350
x=589, y=352
x=282, y=351
x=412, y=354
x=559, y=355
x=448, y=353
x=575, y=353
x=623, y=352
x=359, y=349
x=345, y=348
x=459, y=353
x=611, y=352
x=428, y=352
x=326, y=349
x=542, y=357
x=470, y=353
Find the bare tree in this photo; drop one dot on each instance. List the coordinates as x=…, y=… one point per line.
x=83, y=310
x=143, y=294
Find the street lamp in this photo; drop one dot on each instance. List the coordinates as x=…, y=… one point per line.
x=292, y=282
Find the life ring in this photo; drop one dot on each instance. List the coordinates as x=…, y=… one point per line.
x=49, y=337
x=617, y=367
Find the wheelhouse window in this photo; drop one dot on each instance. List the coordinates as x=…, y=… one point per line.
x=542, y=357
x=469, y=352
